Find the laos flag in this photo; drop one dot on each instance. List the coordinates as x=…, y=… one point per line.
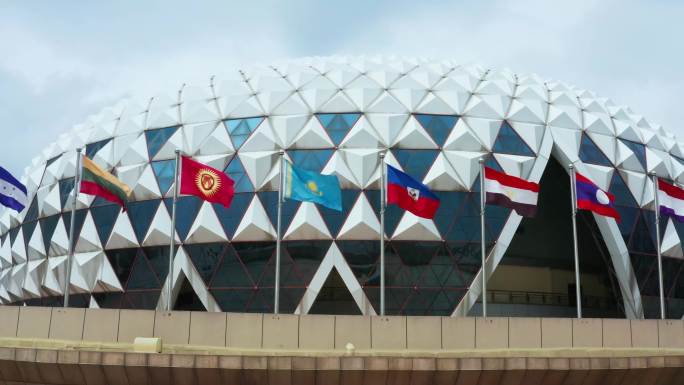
x=591, y=197
x=410, y=195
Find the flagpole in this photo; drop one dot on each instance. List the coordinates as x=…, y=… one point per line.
x=276, y=303
x=483, y=251
x=660, y=258
x=70, y=255
x=172, y=243
x=382, y=233
x=573, y=198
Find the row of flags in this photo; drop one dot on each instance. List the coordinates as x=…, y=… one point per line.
x=399, y=188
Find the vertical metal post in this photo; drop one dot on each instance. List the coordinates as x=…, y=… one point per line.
x=483, y=250
x=660, y=258
x=72, y=243
x=172, y=234
x=276, y=304
x=573, y=199
x=382, y=233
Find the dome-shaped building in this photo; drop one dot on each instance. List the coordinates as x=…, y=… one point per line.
x=434, y=119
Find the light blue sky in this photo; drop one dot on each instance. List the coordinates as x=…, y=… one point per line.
x=61, y=61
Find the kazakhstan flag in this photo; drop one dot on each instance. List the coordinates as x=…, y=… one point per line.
x=307, y=186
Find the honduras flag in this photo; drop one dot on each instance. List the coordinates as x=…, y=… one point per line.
x=13, y=194
x=307, y=186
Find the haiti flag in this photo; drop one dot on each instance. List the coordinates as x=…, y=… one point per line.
x=410, y=195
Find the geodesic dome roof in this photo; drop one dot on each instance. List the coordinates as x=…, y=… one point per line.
x=335, y=115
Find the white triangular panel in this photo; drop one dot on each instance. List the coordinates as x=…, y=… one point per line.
x=338, y=166
x=671, y=245
x=307, y=223
x=485, y=129
x=195, y=134
x=361, y=135
x=18, y=248
x=361, y=223
x=312, y=135
x=414, y=136
x=487, y=106
x=515, y=165
x=462, y=139
x=259, y=166
x=262, y=139
x=216, y=143
x=387, y=126
x=88, y=239
x=288, y=127
x=206, y=227
x=158, y=233
x=531, y=134
x=146, y=186
x=601, y=175
x=607, y=144
x=414, y=228
x=626, y=159
x=442, y=176
x=122, y=235
x=255, y=224
x=59, y=243
x=527, y=111
x=362, y=162
x=36, y=248
x=636, y=181
x=567, y=141
x=136, y=153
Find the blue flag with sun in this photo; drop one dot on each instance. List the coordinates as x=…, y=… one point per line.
x=308, y=186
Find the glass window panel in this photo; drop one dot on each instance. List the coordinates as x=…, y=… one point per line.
x=312, y=160
x=122, y=262
x=639, y=150
x=261, y=301
x=240, y=129
x=52, y=160
x=104, y=218
x=13, y=233
x=141, y=214
x=231, y=272
x=393, y=213
x=164, y=170
x=28, y=228
x=237, y=173
x=438, y=126
x=206, y=257
x=333, y=218
x=47, y=227
x=269, y=199
x=642, y=239
x=78, y=221
x=338, y=125
x=32, y=213
x=157, y=138
x=623, y=197
x=158, y=257
x=362, y=257
x=93, y=148
x=142, y=276
x=146, y=300
x=186, y=212
x=307, y=256
x=232, y=300
x=509, y=142
x=416, y=163
x=230, y=217
x=255, y=256
x=66, y=186
x=108, y=300
x=590, y=153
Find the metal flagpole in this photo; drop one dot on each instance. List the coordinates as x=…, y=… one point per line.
x=573, y=198
x=483, y=198
x=172, y=244
x=70, y=255
x=276, y=303
x=382, y=233
x=660, y=258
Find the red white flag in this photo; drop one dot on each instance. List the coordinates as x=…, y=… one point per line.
x=205, y=182
x=512, y=192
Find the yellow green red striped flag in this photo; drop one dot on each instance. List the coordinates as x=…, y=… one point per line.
x=98, y=182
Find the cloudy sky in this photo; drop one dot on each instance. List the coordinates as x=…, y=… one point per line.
x=61, y=61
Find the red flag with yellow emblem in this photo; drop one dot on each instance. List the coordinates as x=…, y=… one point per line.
x=205, y=182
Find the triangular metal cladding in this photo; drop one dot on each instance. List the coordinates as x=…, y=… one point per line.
x=307, y=224
x=255, y=224
x=361, y=223
x=206, y=227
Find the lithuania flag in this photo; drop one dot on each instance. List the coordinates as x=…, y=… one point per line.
x=96, y=181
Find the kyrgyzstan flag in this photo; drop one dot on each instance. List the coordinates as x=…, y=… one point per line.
x=410, y=195
x=205, y=182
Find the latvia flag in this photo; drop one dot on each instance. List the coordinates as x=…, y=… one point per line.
x=512, y=192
